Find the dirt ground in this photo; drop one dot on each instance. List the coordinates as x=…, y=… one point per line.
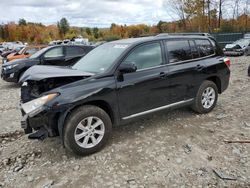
x=168, y=149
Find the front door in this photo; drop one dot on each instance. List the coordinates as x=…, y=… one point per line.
x=147, y=88
x=54, y=56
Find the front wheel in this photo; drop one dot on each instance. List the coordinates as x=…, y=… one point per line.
x=87, y=129
x=206, y=97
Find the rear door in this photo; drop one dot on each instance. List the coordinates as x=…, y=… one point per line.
x=73, y=54
x=186, y=68
x=147, y=88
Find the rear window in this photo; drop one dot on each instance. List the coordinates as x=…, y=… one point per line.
x=74, y=51
x=178, y=50
x=205, y=47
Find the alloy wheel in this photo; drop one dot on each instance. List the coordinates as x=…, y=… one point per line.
x=208, y=97
x=89, y=132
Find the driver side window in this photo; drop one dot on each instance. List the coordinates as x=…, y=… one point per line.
x=146, y=56
x=55, y=52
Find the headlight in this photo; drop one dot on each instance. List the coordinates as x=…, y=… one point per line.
x=35, y=106
x=10, y=66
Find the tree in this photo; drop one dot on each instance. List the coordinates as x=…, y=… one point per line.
x=88, y=31
x=63, y=26
x=96, y=32
x=220, y=12
x=22, y=21
x=177, y=7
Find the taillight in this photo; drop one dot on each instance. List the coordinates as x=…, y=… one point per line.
x=227, y=62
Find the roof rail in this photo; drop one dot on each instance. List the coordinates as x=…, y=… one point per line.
x=169, y=34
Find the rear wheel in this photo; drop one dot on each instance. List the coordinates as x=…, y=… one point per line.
x=206, y=97
x=87, y=130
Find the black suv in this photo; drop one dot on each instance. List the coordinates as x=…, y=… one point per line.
x=56, y=55
x=118, y=82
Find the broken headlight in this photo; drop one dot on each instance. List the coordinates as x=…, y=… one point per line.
x=35, y=106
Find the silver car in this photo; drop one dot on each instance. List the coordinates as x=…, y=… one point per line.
x=239, y=47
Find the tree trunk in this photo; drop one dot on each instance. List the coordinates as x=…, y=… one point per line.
x=220, y=13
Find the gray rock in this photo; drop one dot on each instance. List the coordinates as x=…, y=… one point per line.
x=179, y=160
x=221, y=116
x=236, y=151
x=76, y=168
x=30, y=178
x=18, y=168
x=48, y=184
x=1, y=184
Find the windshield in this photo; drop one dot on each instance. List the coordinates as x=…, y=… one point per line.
x=38, y=53
x=21, y=51
x=101, y=58
x=242, y=42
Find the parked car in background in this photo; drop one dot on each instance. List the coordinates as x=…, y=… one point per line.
x=239, y=47
x=25, y=52
x=1, y=49
x=10, y=51
x=247, y=36
x=120, y=81
x=55, y=42
x=53, y=55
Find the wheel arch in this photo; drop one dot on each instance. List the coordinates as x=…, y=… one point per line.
x=99, y=103
x=217, y=82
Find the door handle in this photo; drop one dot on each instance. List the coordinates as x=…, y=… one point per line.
x=200, y=67
x=162, y=75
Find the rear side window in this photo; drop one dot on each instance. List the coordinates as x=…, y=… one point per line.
x=74, y=51
x=146, y=56
x=194, y=50
x=205, y=48
x=178, y=50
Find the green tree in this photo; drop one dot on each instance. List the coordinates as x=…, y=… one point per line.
x=22, y=21
x=96, y=32
x=88, y=31
x=63, y=26
x=162, y=26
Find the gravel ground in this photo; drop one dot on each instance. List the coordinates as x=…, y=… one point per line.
x=168, y=149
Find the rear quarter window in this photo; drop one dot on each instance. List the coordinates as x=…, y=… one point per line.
x=204, y=46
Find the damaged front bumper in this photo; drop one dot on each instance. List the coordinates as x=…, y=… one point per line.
x=42, y=120
x=45, y=122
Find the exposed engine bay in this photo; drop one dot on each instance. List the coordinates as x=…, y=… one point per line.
x=33, y=89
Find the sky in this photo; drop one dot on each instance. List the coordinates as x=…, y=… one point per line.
x=90, y=13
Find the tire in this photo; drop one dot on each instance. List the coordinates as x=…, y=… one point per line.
x=78, y=124
x=246, y=53
x=199, y=105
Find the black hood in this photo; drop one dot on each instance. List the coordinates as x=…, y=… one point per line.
x=21, y=61
x=40, y=72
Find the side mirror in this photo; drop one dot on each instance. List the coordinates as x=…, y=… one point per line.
x=127, y=68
